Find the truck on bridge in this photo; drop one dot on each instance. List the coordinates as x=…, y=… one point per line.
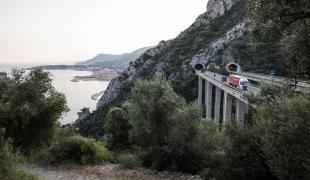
x=239, y=82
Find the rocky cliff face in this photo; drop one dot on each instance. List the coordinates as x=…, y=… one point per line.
x=132, y=73
x=209, y=54
x=217, y=8
x=205, y=41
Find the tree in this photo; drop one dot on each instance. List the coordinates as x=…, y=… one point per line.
x=244, y=155
x=291, y=19
x=30, y=108
x=117, y=127
x=194, y=143
x=284, y=128
x=150, y=106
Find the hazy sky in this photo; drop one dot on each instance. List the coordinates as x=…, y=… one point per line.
x=65, y=31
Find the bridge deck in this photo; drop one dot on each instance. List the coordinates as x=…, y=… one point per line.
x=301, y=85
x=216, y=79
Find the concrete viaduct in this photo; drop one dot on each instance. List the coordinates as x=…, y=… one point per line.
x=221, y=99
x=223, y=102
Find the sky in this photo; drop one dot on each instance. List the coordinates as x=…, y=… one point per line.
x=68, y=31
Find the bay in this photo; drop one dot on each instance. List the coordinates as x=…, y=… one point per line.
x=78, y=94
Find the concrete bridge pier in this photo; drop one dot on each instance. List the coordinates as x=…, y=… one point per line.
x=200, y=82
x=217, y=105
x=227, y=108
x=208, y=100
x=240, y=111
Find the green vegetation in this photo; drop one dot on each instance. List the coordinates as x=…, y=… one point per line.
x=9, y=162
x=283, y=126
x=153, y=122
x=29, y=109
x=77, y=149
x=245, y=158
x=117, y=127
x=151, y=105
x=162, y=125
x=176, y=138
x=128, y=160
x=291, y=20
x=261, y=57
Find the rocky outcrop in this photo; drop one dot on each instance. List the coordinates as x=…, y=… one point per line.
x=207, y=55
x=217, y=8
x=128, y=76
x=3, y=75
x=83, y=114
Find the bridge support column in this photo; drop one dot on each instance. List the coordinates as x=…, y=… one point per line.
x=217, y=107
x=208, y=99
x=240, y=111
x=200, y=90
x=227, y=108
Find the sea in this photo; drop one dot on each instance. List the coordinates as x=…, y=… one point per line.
x=78, y=94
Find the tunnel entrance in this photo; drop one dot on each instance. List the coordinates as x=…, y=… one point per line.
x=199, y=66
x=233, y=67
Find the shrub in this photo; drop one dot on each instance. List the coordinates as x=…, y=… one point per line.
x=117, y=127
x=30, y=108
x=9, y=163
x=284, y=125
x=194, y=143
x=128, y=161
x=209, y=173
x=150, y=106
x=245, y=157
x=79, y=150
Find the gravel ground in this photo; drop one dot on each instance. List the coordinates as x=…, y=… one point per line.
x=103, y=172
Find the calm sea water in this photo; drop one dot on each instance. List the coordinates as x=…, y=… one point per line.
x=78, y=94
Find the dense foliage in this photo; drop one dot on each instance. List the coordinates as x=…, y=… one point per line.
x=29, y=109
x=77, y=149
x=291, y=20
x=151, y=106
x=169, y=131
x=245, y=158
x=284, y=126
x=9, y=161
x=117, y=128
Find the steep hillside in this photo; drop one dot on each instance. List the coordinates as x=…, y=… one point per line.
x=218, y=36
x=119, y=61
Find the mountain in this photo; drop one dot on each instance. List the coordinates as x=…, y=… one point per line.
x=119, y=61
x=218, y=36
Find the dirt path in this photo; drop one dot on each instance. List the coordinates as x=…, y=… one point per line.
x=104, y=172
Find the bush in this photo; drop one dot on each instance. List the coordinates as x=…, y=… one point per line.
x=79, y=150
x=29, y=109
x=208, y=174
x=43, y=154
x=283, y=125
x=117, y=127
x=150, y=107
x=245, y=157
x=128, y=161
x=194, y=143
x=9, y=163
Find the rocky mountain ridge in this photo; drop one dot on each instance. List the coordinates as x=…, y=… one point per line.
x=218, y=36
x=215, y=8
x=120, y=61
